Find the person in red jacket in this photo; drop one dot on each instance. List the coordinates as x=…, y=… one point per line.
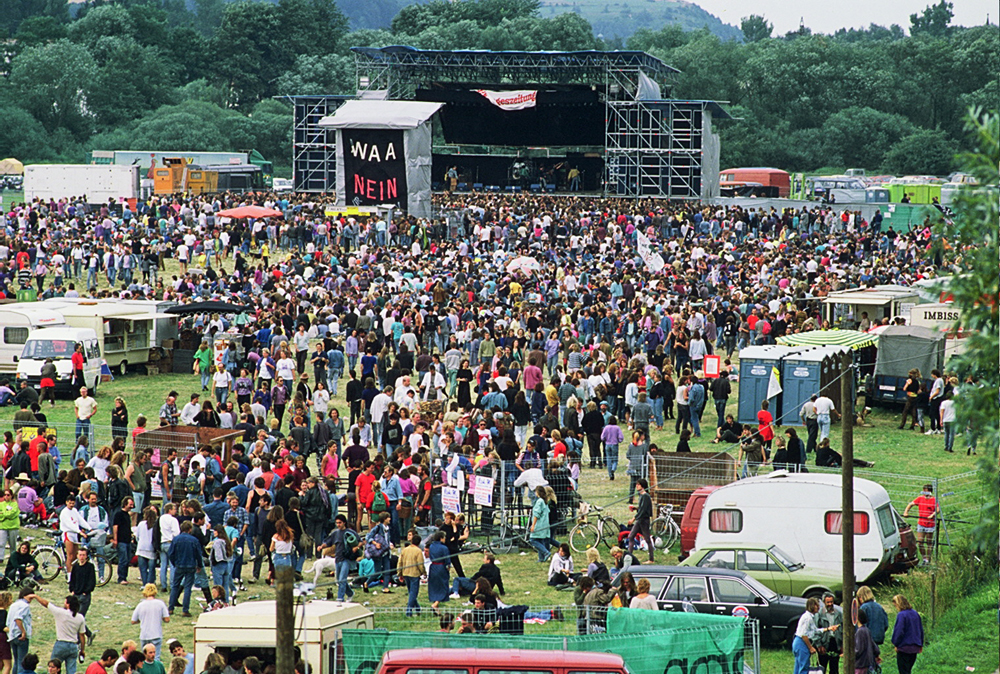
x=77, y=361
x=363, y=485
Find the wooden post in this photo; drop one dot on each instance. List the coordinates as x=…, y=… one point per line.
x=847, y=506
x=284, y=620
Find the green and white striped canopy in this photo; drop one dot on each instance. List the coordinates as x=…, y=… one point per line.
x=849, y=338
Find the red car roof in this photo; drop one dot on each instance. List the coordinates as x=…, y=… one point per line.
x=472, y=657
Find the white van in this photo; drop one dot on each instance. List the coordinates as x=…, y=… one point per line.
x=59, y=344
x=16, y=321
x=801, y=513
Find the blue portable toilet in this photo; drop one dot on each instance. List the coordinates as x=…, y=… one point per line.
x=815, y=371
x=755, y=374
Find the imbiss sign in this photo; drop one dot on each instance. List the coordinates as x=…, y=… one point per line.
x=374, y=167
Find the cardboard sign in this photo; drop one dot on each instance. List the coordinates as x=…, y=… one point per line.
x=712, y=366
x=450, y=500
x=484, y=491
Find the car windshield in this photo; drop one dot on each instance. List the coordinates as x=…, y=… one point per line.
x=785, y=559
x=56, y=349
x=760, y=588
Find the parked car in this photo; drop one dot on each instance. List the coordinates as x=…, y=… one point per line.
x=771, y=566
x=724, y=592
x=493, y=661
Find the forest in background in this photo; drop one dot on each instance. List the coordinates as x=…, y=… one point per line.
x=166, y=74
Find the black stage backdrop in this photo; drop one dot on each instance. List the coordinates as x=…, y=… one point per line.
x=561, y=117
x=374, y=167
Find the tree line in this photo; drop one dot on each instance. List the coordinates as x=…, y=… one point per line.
x=204, y=74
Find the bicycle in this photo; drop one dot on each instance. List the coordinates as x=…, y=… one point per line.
x=586, y=534
x=664, y=530
x=51, y=560
x=506, y=535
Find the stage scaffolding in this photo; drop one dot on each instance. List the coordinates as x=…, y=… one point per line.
x=654, y=146
x=314, y=148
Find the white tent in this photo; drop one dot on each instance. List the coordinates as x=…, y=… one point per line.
x=384, y=153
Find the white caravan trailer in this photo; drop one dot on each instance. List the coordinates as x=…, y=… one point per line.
x=801, y=513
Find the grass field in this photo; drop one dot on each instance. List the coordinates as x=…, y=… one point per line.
x=894, y=451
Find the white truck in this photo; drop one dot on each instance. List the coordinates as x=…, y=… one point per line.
x=98, y=183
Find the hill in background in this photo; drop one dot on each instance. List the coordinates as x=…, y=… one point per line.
x=610, y=18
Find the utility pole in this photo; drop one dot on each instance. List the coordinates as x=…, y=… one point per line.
x=847, y=506
x=284, y=620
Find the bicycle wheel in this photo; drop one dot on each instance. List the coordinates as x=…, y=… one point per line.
x=50, y=562
x=583, y=537
x=104, y=569
x=664, y=533
x=610, y=532
x=502, y=541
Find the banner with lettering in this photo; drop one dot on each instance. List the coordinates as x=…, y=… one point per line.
x=510, y=100
x=374, y=167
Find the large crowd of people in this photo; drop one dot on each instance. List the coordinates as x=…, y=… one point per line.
x=513, y=337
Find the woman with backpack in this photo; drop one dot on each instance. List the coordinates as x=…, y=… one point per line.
x=377, y=550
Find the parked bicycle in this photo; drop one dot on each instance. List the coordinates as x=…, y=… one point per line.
x=587, y=534
x=664, y=530
x=51, y=560
x=507, y=534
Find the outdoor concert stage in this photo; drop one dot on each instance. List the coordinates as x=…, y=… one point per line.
x=523, y=121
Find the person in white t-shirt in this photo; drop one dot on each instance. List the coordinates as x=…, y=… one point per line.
x=824, y=410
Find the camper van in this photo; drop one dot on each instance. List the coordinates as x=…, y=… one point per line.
x=249, y=629
x=16, y=321
x=801, y=513
x=59, y=344
x=124, y=331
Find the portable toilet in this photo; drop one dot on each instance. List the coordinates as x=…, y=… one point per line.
x=249, y=629
x=756, y=363
x=876, y=195
x=816, y=371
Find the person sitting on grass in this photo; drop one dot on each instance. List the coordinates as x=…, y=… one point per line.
x=561, y=575
x=488, y=571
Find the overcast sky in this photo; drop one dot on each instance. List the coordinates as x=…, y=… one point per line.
x=829, y=16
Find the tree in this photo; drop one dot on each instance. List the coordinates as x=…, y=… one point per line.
x=318, y=75
x=36, y=30
x=973, y=240
x=102, y=21
x=13, y=12
x=862, y=136
x=132, y=78
x=23, y=136
x=755, y=28
x=53, y=82
x=924, y=152
x=933, y=21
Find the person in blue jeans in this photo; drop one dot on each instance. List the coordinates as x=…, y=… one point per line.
x=411, y=567
x=345, y=544
x=377, y=541
x=805, y=632
x=121, y=537
x=185, y=556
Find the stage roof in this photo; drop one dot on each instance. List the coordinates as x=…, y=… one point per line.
x=380, y=114
x=411, y=56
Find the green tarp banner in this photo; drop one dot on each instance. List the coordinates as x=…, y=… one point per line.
x=650, y=642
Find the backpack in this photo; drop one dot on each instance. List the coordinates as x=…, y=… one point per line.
x=380, y=503
x=191, y=484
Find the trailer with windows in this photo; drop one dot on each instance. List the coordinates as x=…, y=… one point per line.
x=801, y=513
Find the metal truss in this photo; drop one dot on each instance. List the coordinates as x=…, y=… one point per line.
x=402, y=70
x=314, y=148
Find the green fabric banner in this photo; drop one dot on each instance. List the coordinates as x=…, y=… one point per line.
x=650, y=642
